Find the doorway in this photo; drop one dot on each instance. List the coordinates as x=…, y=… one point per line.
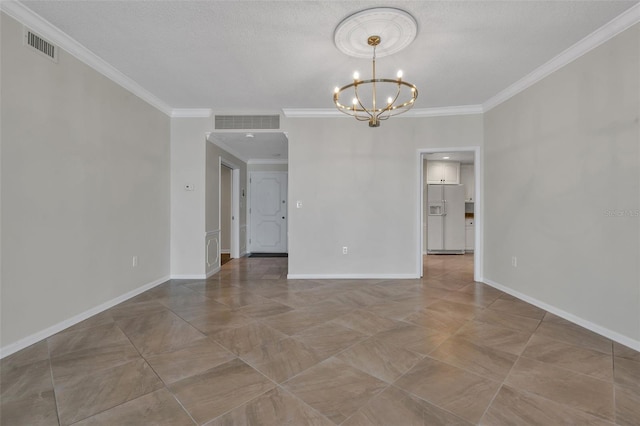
x=268, y=212
x=225, y=213
x=439, y=168
x=229, y=208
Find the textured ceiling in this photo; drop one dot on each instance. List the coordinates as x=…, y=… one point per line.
x=249, y=56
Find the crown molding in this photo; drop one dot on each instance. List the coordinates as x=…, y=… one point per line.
x=35, y=22
x=601, y=35
x=191, y=113
x=415, y=112
x=267, y=161
x=444, y=111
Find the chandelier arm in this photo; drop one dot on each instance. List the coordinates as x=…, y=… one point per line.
x=365, y=110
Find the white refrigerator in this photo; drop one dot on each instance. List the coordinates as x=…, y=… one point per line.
x=445, y=219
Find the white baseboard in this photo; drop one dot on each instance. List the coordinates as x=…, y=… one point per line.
x=213, y=271
x=225, y=251
x=188, y=277
x=50, y=331
x=603, y=331
x=352, y=276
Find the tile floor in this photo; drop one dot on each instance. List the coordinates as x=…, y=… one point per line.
x=249, y=346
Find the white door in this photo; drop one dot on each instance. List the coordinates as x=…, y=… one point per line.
x=268, y=212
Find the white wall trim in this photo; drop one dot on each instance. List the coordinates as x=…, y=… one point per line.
x=188, y=277
x=590, y=42
x=351, y=276
x=38, y=24
x=56, y=328
x=191, y=113
x=603, y=331
x=415, y=112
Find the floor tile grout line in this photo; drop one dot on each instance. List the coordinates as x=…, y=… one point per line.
x=53, y=382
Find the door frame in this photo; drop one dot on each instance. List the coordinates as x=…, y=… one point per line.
x=235, y=204
x=478, y=218
x=249, y=228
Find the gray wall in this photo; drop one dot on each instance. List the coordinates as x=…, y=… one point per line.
x=267, y=167
x=560, y=158
x=360, y=188
x=85, y=187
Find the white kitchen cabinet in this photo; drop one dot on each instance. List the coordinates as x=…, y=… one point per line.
x=443, y=172
x=470, y=235
x=467, y=178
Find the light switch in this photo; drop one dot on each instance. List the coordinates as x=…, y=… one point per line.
x=298, y=204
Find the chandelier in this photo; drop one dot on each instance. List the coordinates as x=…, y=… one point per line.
x=366, y=105
x=357, y=35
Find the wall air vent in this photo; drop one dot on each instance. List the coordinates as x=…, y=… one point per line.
x=247, y=122
x=40, y=45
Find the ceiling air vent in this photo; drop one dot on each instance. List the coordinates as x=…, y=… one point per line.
x=247, y=122
x=41, y=45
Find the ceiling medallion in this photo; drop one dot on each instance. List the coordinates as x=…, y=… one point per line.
x=359, y=34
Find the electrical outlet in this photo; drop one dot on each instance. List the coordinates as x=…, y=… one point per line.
x=134, y=261
x=514, y=261
x=345, y=250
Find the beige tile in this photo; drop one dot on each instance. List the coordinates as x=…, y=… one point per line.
x=500, y=338
x=89, y=394
x=235, y=298
x=263, y=310
x=395, y=310
x=559, y=329
x=276, y=407
x=379, y=359
x=194, y=358
x=357, y=298
x=365, y=322
x=192, y=310
x=511, y=407
x=484, y=361
x=578, y=391
x=396, y=407
x=133, y=308
x=462, y=393
x=575, y=358
x=296, y=321
x=242, y=340
x=156, y=408
x=622, y=351
x=281, y=359
x=480, y=299
x=503, y=319
x=517, y=307
x=220, y=389
x=88, y=338
x=335, y=389
x=408, y=336
x=436, y=320
x=35, y=410
x=91, y=360
x=159, y=332
x=627, y=406
x=34, y=353
x=20, y=383
x=627, y=373
x=328, y=339
x=219, y=321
